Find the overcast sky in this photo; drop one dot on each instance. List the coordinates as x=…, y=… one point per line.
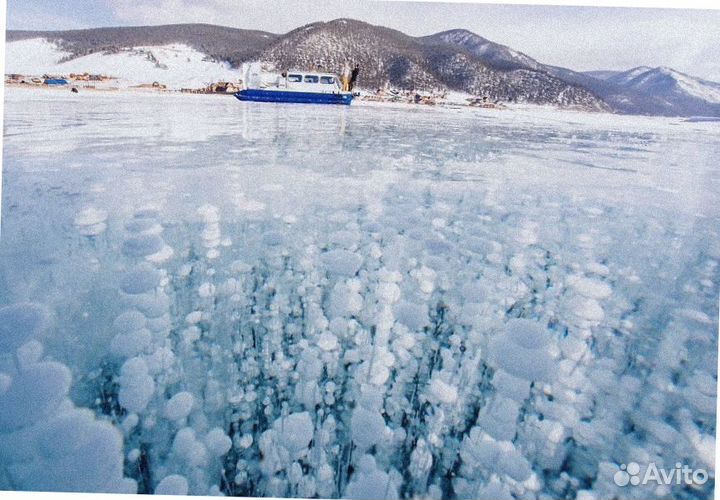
x=581, y=38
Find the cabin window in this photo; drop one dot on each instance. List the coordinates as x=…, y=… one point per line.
x=327, y=80
x=294, y=78
x=311, y=79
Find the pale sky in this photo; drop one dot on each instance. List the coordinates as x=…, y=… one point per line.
x=580, y=38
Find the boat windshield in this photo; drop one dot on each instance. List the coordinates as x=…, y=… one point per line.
x=294, y=78
x=327, y=80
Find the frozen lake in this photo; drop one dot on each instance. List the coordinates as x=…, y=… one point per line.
x=358, y=301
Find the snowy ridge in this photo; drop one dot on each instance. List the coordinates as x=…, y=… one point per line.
x=493, y=53
x=641, y=90
x=622, y=78
x=667, y=83
x=176, y=66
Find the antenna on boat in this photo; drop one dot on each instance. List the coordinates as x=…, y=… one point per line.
x=248, y=68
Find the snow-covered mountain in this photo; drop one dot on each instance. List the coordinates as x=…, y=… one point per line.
x=623, y=77
x=601, y=74
x=217, y=42
x=388, y=56
x=641, y=90
x=494, y=54
x=655, y=91
x=666, y=83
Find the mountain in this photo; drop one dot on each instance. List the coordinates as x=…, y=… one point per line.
x=658, y=91
x=390, y=56
x=491, y=53
x=502, y=57
x=601, y=74
x=219, y=43
x=456, y=60
x=621, y=78
x=641, y=90
x=668, y=84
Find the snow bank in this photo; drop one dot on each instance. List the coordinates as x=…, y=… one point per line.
x=175, y=65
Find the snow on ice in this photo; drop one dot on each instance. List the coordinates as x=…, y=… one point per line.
x=201, y=296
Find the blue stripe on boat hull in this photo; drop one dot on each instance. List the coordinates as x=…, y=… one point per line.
x=258, y=95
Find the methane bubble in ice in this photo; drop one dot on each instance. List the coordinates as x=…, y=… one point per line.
x=342, y=262
x=20, y=323
x=129, y=320
x=91, y=221
x=179, y=406
x=523, y=351
x=143, y=225
x=173, y=484
x=217, y=442
x=136, y=385
x=142, y=245
x=294, y=432
x=141, y=279
x=34, y=393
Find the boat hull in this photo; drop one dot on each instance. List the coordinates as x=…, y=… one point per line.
x=260, y=95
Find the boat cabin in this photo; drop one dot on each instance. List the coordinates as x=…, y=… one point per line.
x=309, y=82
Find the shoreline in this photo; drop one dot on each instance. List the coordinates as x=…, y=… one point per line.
x=451, y=105
x=366, y=100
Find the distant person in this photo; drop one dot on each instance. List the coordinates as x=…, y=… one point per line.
x=353, y=76
x=345, y=77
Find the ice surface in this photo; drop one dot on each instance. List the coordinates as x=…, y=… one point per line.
x=90, y=216
x=353, y=302
x=47, y=443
